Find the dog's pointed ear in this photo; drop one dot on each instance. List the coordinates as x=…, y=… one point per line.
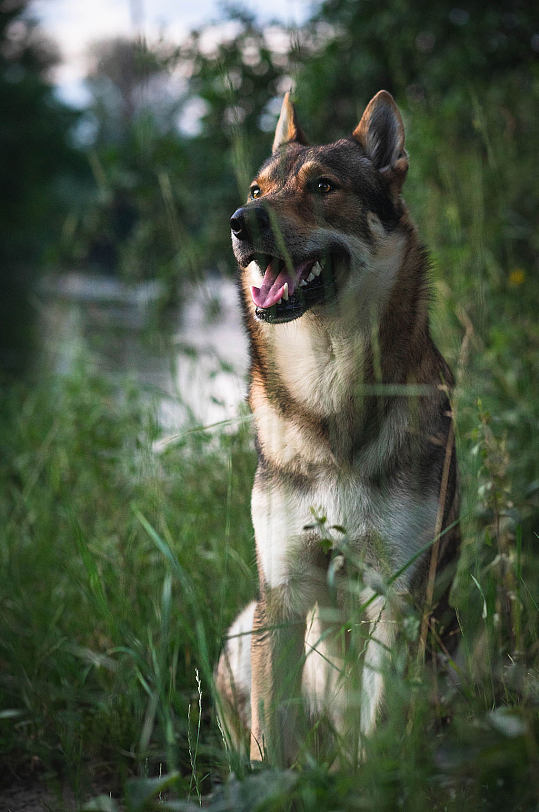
x=381, y=134
x=288, y=129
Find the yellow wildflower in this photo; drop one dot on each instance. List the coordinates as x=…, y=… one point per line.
x=516, y=277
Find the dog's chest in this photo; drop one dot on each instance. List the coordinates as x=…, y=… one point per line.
x=386, y=527
x=317, y=459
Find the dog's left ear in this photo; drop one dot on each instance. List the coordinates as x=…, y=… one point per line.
x=288, y=129
x=381, y=134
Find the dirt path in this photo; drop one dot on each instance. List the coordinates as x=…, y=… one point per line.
x=35, y=797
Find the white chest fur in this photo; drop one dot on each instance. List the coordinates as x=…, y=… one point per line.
x=401, y=523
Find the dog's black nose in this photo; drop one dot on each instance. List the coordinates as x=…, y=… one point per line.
x=249, y=221
x=238, y=224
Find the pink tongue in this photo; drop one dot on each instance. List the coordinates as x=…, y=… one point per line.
x=274, y=282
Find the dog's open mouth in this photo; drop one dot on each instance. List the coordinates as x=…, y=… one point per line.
x=288, y=290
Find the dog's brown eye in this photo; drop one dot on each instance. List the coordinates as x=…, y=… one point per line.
x=324, y=185
x=255, y=192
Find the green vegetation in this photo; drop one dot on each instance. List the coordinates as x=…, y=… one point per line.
x=121, y=568
x=37, y=166
x=117, y=567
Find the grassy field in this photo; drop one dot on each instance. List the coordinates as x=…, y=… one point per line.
x=122, y=568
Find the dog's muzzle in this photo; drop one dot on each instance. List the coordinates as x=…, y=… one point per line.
x=290, y=285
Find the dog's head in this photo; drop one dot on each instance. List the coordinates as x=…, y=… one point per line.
x=316, y=213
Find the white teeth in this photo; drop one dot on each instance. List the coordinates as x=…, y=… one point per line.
x=285, y=292
x=316, y=270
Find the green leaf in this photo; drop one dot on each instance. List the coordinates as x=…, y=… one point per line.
x=140, y=791
x=103, y=803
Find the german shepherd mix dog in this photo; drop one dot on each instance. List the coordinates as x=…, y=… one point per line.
x=350, y=402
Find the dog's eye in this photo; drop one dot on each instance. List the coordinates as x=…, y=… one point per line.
x=254, y=192
x=324, y=186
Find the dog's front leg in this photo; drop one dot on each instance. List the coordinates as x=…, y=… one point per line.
x=277, y=654
x=376, y=661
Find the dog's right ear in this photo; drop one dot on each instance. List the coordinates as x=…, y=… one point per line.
x=288, y=129
x=381, y=134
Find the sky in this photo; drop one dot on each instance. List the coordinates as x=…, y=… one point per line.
x=75, y=24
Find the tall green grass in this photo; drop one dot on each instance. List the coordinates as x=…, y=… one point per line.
x=122, y=568
x=120, y=571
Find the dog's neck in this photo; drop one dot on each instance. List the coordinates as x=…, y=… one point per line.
x=320, y=376
x=377, y=333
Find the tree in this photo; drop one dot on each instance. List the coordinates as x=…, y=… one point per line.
x=132, y=226
x=425, y=53
x=130, y=80
x=164, y=197
x=36, y=160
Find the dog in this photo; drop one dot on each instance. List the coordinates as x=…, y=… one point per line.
x=354, y=432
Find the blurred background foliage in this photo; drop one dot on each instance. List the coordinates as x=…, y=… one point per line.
x=142, y=182
x=40, y=171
